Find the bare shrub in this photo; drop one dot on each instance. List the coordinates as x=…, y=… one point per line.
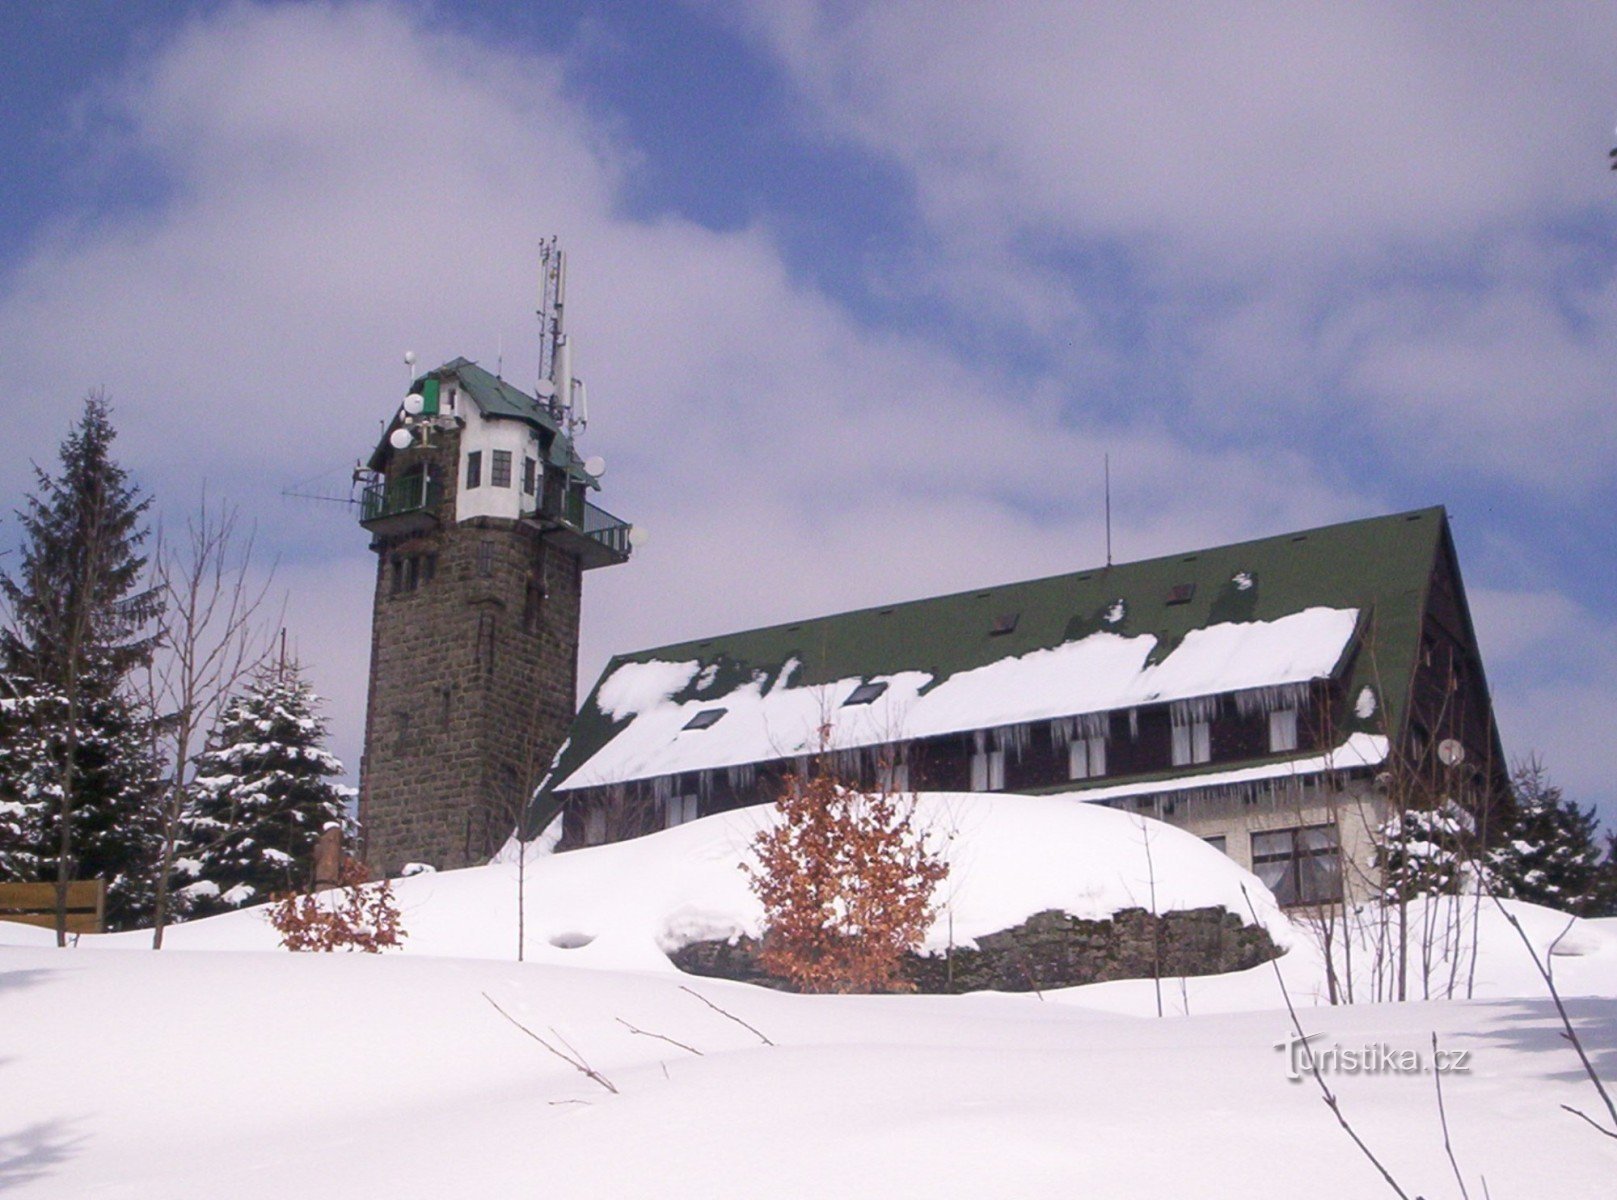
x=352, y=916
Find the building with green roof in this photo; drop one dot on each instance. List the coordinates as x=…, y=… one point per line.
x=1278, y=697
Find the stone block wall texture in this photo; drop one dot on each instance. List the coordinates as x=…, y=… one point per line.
x=1050, y=949
x=472, y=684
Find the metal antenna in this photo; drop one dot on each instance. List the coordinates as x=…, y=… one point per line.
x=1108, y=470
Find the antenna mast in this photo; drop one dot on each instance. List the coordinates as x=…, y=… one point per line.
x=556, y=383
x=1108, y=476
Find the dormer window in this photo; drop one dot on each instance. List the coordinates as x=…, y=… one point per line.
x=865, y=693
x=706, y=719
x=1282, y=730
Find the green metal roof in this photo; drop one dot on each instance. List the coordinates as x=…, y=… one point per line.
x=500, y=400
x=1380, y=566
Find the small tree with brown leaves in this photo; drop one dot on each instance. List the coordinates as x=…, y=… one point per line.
x=846, y=882
x=350, y=917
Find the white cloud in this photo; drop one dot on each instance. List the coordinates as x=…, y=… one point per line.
x=346, y=181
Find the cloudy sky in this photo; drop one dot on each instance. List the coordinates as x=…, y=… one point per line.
x=863, y=293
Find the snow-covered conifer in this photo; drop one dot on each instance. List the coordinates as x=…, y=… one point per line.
x=1427, y=852
x=78, y=753
x=265, y=793
x=1550, y=850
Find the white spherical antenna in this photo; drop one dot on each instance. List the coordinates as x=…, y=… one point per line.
x=409, y=358
x=595, y=466
x=637, y=536
x=400, y=439
x=1450, y=753
x=545, y=389
x=413, y=404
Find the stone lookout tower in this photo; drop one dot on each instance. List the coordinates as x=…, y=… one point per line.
x=477, y=504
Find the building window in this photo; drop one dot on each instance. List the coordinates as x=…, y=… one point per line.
x=429, y=567
x=532, y=602
x=865, y=693
x=474, y=469
x=1192, y=743
x=485, y=643
x=485, y=558
x=1086, y=757
x=894, y=777
x=500, y=469
x=988, y=770
x=1300, y=866
x=595, y=826
x=679, y=809
x=705, y=719
x=1218, y=842
x=530, y=474
x=1282, y=730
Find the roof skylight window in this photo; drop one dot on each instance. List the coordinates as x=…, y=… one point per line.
x=1005, y=623
x=1181, y=593
x=706, y=719
x=864, y=694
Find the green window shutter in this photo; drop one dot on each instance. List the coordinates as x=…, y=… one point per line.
x=429, y=397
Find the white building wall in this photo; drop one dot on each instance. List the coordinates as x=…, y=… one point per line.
x=481, y=436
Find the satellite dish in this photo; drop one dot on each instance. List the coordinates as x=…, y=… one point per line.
x=409, y=358
x=400, y=439
x=1450, y=753
x=413, y=404
x=546, y=389
x=595, y=467
x=637, y=536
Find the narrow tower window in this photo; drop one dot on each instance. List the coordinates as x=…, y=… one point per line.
x=530, y=471
x=474, y=469
x=500, y=472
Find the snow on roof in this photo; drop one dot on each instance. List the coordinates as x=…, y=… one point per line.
x=765, y=719
x=1358, y=751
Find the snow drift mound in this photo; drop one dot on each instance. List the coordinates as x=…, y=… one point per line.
x=629, y=904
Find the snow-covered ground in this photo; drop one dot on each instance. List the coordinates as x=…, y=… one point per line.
x=224, y=1066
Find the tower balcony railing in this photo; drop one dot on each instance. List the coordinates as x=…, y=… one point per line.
x=396, y=497
x=601, y=526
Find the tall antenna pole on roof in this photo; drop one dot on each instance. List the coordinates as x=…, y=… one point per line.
x=556, y=386
x=1108, y=476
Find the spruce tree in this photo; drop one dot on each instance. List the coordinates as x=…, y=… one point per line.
x=265, y=793
x=78, y=615
x=1550, y=851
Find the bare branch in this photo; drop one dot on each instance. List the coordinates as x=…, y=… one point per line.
x=1326, y=1094
x=660, y=1037
x=760, y=1035
x=1443, y=1117
x=578, y=1064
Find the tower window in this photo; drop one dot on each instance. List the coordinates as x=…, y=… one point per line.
x=531, y=605
x=485, y=558
x=530, y=472
x=474, y=469
x=429, y=567
x=500, y=472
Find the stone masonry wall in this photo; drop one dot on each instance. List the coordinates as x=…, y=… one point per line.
x=1049, y=950
x=473, y=678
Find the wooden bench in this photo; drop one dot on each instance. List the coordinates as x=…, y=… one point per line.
x=35, y=904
